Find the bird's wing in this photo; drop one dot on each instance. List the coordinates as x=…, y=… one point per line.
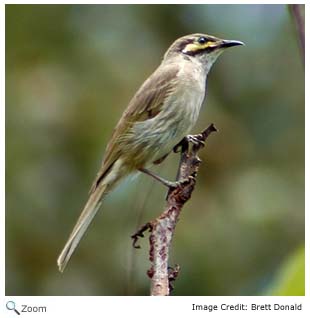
x=145, y=104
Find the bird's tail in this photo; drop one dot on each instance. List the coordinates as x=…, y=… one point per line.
x=92, y=206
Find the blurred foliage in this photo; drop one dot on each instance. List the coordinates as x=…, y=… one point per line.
x=70, y=72
x=290, y=279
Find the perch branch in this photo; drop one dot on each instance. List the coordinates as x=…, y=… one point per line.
x=298, y=14
x=162, y=228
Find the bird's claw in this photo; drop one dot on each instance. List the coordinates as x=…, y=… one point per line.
x=181, y=182
x=197, y=140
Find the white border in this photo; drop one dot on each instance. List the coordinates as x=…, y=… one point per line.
x=138, y=306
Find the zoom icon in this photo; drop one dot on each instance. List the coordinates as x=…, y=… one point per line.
x=10, y=305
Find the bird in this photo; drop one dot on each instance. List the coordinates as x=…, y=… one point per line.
x=161, y=113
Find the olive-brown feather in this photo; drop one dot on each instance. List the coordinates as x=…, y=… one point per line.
x=145, y=104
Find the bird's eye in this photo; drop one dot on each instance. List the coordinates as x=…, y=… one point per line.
x=202, y=40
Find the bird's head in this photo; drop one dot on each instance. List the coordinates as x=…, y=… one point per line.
x=200, y=47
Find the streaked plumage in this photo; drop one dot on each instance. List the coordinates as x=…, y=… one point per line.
x=160, y=114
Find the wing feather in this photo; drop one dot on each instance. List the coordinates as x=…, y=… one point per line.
x=145, y=104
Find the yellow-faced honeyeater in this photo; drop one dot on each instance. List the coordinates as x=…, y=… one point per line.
x=161, y=113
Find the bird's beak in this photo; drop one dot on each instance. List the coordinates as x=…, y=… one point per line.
x=229, y=43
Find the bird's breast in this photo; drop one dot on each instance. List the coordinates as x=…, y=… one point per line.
x=154, y=138
x=191, y=93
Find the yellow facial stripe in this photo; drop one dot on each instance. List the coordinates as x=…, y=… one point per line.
x=194, y=47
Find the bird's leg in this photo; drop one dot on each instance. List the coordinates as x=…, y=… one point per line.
x=165, y=182
x=160, y=160
x=182, y=146
x=169, y=184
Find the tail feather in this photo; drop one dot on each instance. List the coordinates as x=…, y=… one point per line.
x=87, y=215
x=91, y=208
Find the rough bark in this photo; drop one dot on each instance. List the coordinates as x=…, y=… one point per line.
x=162, y=228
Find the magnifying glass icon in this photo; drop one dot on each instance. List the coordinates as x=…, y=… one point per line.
x=10, y=305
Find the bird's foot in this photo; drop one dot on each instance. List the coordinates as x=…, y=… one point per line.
x=167, y=183
x=197, y=140
x=180, y=183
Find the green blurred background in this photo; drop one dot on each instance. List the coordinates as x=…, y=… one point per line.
x=70, y=72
